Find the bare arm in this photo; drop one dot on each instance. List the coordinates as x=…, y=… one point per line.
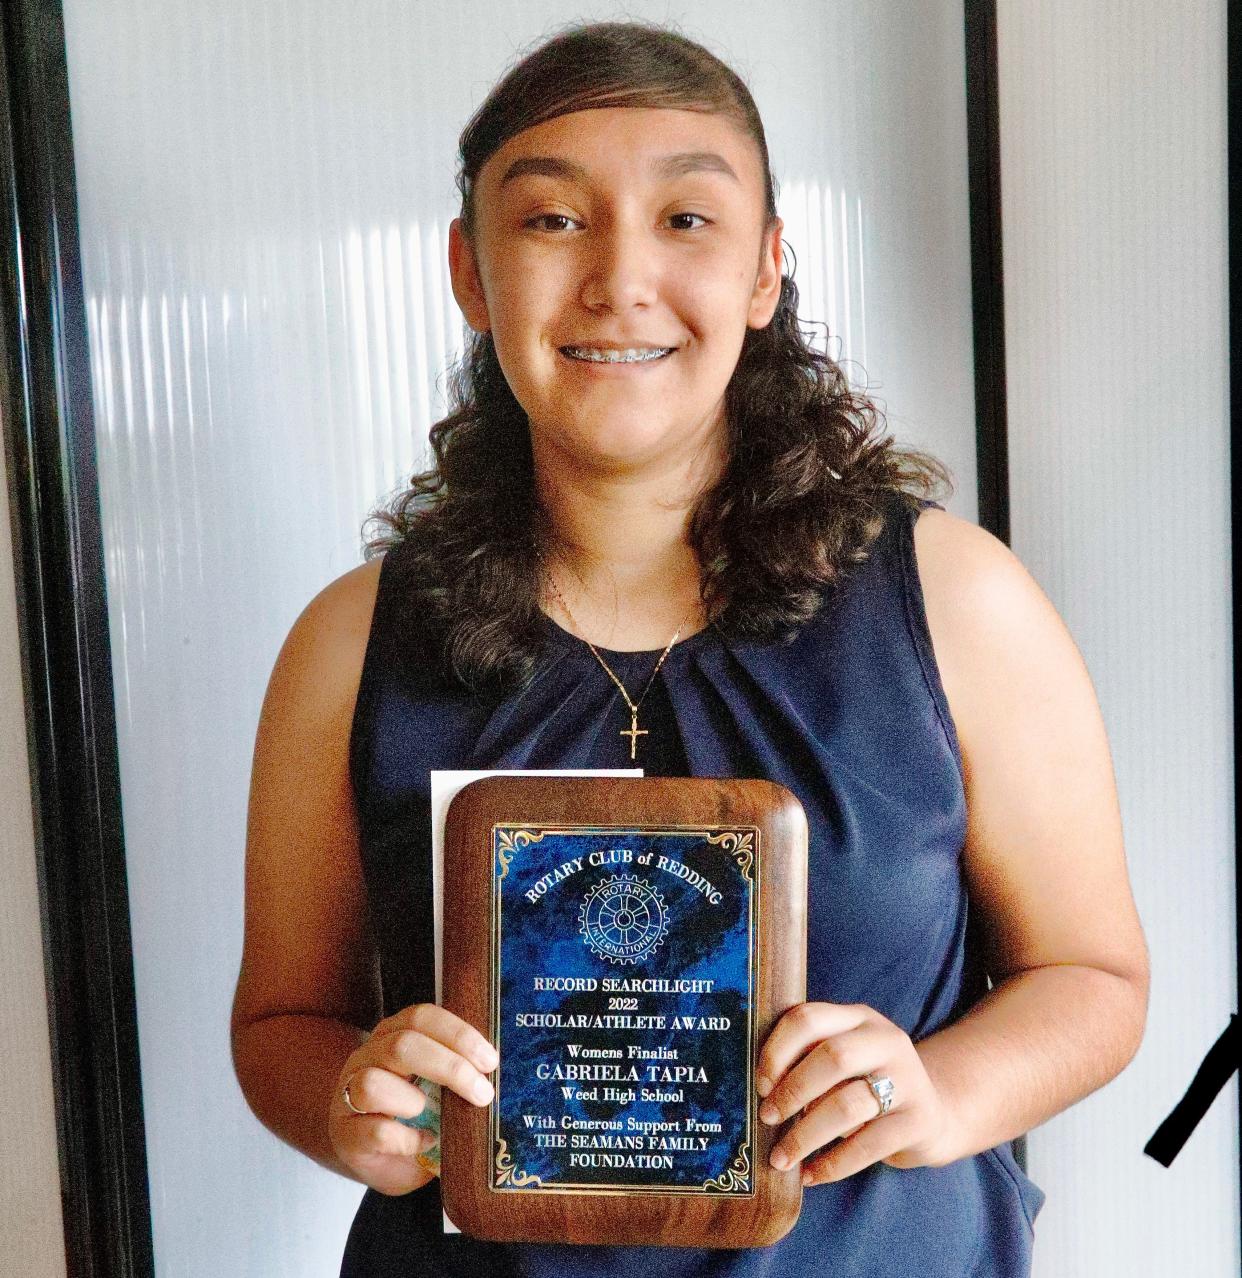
x=308, y=988
x=1045, y=869
x=305, y=1014
x=1044, y=855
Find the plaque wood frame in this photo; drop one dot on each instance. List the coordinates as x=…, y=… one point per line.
x=616, y=1215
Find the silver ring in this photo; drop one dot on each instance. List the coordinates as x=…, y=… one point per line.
x=882, y=1089
x=348, y=1102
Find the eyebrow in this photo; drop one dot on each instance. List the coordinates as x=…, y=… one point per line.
x=667, y=166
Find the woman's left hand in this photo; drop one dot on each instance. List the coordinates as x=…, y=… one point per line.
x=815, y=1059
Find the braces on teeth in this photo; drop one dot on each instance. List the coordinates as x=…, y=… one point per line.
x=617, y=357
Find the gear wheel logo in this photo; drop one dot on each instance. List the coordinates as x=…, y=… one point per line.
x=623, y=919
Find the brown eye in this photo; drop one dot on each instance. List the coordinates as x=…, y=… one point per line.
x=548, y=217
x=701, y=218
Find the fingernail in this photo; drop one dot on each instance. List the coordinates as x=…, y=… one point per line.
x=780, y=1159
x=769, y=1113
x=482, y=1091
x=763, y=1085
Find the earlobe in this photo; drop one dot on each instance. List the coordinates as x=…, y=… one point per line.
x=467, y=283
x=767, y=292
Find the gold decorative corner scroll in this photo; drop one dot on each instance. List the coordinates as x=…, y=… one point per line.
x=735, y=1177
x=507, y=1173
x=741, y=845
x=509, y=842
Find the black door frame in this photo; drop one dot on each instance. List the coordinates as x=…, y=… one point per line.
x=49, y=440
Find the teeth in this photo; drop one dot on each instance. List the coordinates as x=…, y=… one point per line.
x=636, y=355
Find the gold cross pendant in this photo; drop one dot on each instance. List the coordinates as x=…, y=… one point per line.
x=633, y=732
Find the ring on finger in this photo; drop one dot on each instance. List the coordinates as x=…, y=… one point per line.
x=349, y=1103
x=882, y=1089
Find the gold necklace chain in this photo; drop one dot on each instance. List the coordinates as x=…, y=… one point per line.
x=634, y=731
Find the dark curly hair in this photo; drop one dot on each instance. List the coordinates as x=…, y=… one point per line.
x=809, y=472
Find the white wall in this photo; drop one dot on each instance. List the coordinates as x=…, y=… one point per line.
x=1113, y=176
x=31, y=1230
x=264, y=195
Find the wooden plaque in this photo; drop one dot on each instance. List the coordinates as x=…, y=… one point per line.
x=627, y=943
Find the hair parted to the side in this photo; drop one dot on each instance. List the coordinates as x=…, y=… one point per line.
x=809, y=475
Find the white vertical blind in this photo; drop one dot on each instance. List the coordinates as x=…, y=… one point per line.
x=264, y=196
x=1113, y=174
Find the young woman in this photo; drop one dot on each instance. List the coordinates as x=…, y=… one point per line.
x=656, y=508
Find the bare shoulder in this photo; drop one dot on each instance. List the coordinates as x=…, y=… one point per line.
x=990, y=621
x=968, y=575
x=331, y=631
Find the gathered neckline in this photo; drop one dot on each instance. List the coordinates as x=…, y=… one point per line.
x=567, y=639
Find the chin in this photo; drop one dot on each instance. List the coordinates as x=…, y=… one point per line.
x=615, y=451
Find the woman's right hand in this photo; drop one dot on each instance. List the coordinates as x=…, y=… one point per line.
x=421, y=1041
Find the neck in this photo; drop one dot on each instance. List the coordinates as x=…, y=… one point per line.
x=619, y=554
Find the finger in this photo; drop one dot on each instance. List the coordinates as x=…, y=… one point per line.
x=445, y=1027
x=411, y=1052
x=378, y=1134
x=379, y=1091
x=797, y=1031
x=846, y=1108
x=874, y=1141
x=834, y=1060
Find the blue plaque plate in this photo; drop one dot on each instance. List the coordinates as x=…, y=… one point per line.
x=624, y=971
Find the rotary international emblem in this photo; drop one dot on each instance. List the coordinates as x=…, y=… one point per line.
x=623, y=919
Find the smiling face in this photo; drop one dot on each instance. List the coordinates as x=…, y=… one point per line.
x=619, y=256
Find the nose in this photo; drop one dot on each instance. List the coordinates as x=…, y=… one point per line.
x=620, y=269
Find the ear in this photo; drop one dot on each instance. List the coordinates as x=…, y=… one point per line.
x=467, y=281
x=767, y=291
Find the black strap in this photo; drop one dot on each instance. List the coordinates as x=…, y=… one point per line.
x=1217, y=1069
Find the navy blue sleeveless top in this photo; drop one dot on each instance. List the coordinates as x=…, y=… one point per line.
x=851, y=717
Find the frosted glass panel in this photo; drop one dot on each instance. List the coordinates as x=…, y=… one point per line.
x=265, y=191
x=1116, y=301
